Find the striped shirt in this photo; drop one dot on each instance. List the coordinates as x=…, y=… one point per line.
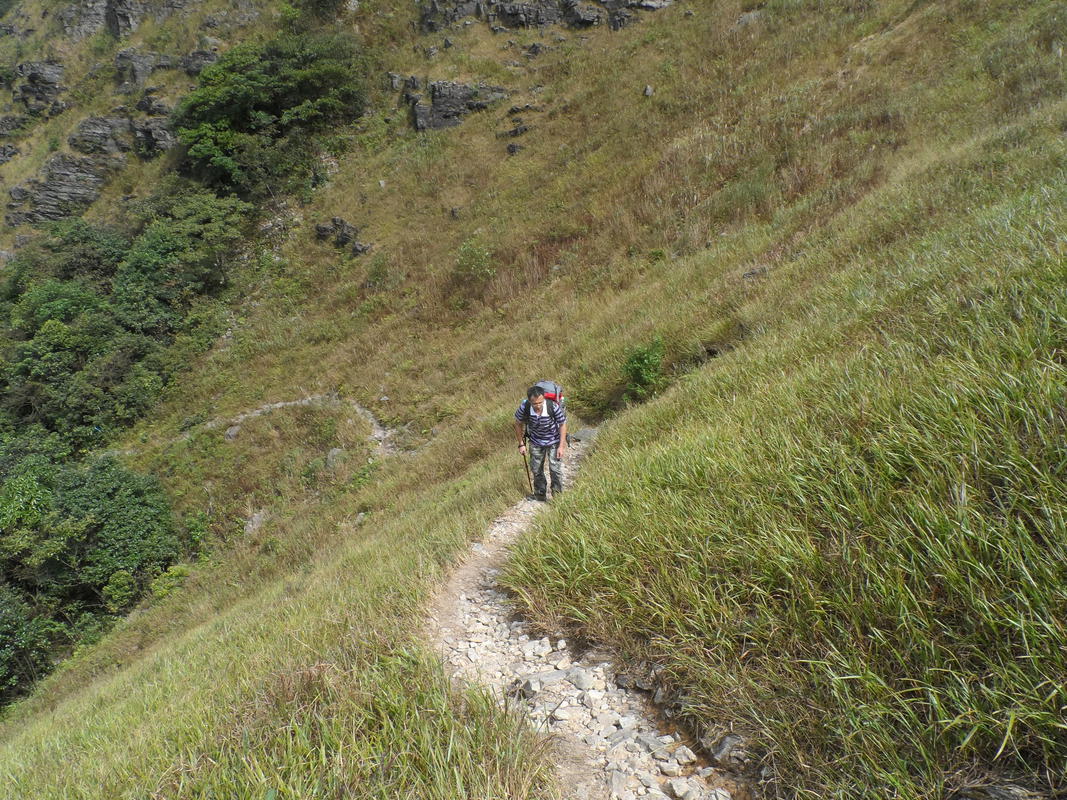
x=543, y=428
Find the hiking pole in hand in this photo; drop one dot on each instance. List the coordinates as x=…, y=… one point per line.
x=526, y=464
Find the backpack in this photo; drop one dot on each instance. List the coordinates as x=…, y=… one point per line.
x=553, y=397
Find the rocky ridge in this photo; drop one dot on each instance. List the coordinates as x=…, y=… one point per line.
x=608, y=740
x=438, y=15
x=118, y=17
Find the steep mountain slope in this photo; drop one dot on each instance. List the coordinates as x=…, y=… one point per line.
x=837, y=229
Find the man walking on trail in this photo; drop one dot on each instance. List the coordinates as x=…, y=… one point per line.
x=544, y=424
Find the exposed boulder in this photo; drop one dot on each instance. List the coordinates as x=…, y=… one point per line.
x=39, y=87
x=12, y=30
x=123, y=17
x=528, y=15
x=118, y=17
x=115, y=135
x=438, y=15
x=153, y=136
x=152, y=105
x=340, y=230
x=133, y=68
x=67, y=185
x=7, y=152
x=107, y=135
x=194, y=62
x=585, y=15
x=83, y=19
x=342, y=233
x=12, y=124
x=450, y=102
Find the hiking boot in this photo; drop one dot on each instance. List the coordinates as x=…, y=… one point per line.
x=540, y=498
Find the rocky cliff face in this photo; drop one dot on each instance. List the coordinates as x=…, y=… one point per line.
x=69, y=183
x=440, y=14
x=66, y=186
x=449, y=102
x=117, y=17
x=37, y=87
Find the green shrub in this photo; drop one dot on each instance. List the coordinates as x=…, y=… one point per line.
x=167, y=582
x=643, y=368
x=120, y=591
x=474, y=263
x=25, y=643
x=83, y=541
x=249, y=123
x=123, y=520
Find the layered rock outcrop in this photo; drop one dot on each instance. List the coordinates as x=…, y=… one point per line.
x=116, y=135
x=12, y=124
x=133, y=68
x=118, y=17
x=449, y=102
x=440, y=14
x=67, y=185
x=103, y=135
x=37, y=87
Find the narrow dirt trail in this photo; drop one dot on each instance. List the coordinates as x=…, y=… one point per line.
x=607, y=741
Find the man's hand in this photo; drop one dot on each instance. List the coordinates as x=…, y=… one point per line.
x=562, y=448
x=522, y=449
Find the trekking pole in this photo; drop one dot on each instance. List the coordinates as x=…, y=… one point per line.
x=526, y=464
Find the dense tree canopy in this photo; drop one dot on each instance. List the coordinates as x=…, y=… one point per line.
x=249, y=124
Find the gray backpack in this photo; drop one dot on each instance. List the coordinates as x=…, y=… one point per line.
x=553, y=397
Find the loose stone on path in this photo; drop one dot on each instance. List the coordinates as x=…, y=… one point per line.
x=607, y=741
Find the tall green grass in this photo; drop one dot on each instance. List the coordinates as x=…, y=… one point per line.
x=849, y=536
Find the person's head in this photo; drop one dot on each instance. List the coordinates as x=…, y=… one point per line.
x=536, y=396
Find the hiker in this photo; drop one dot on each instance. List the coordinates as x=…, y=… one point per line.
x=543, y=423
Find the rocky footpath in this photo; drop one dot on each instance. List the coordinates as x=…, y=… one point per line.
x=609, y=741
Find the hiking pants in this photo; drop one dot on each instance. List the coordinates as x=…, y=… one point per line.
x=538, y=455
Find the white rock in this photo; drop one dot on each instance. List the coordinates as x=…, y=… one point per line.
x=679, y=788
x=683, y=755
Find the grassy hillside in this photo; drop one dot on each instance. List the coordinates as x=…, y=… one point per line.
x=836, y=233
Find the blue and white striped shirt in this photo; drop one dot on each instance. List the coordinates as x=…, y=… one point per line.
x=543, y=428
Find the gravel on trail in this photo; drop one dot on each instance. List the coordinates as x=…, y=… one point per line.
x=608, y=741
